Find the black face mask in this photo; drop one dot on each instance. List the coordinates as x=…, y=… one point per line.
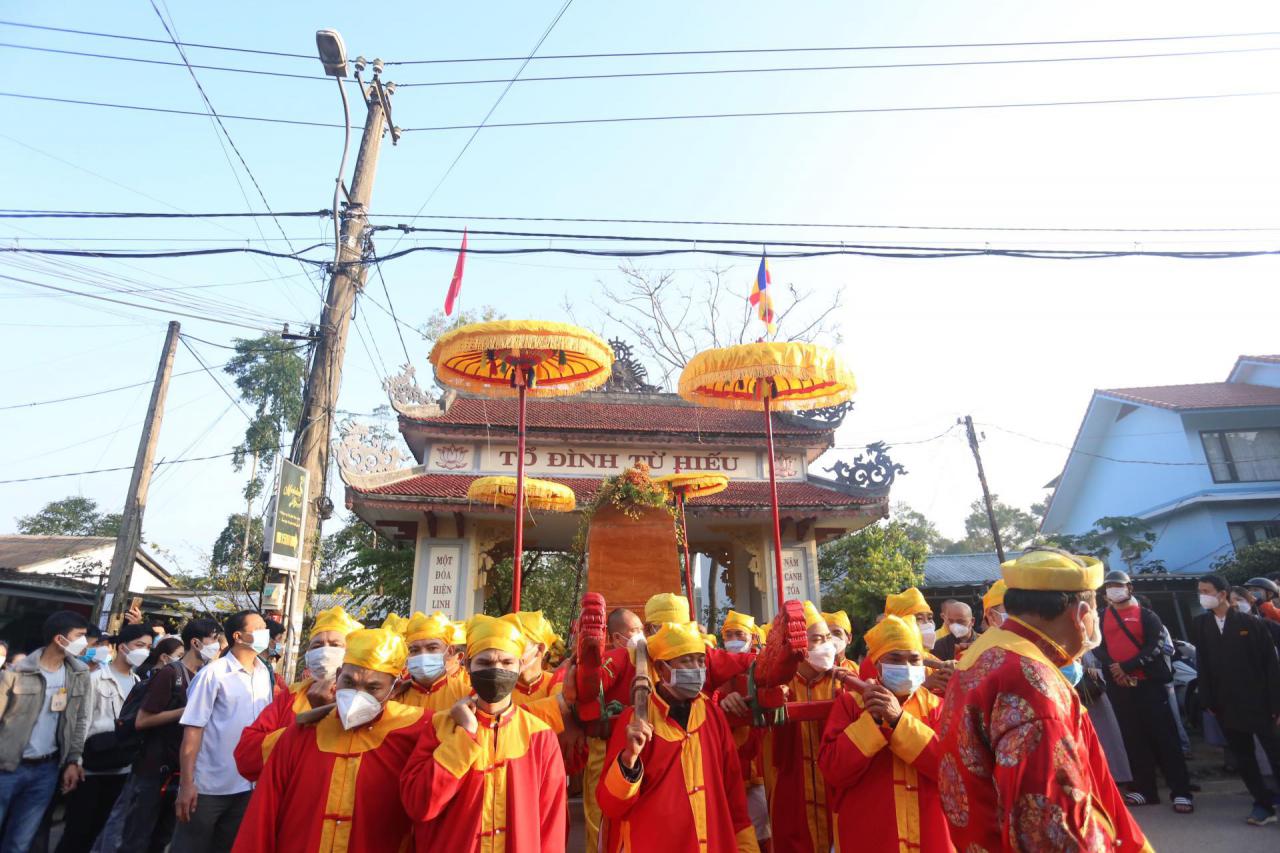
x=493, y=685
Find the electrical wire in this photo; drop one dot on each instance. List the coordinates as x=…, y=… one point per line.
x=215, y=378
x=391, y=309
x=93, y=393
x=157, y=41
x=32, y=213
x=109, y=470
x=1076, y=452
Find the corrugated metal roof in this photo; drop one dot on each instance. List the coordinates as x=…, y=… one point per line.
x=956, y=569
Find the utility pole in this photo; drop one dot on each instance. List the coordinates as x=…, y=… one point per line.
x=986, y=493
x=122, y=561
x=311, y=443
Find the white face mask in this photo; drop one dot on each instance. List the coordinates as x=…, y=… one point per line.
x=1243, y=607
x=137, y=657
x=1208, y=602
x=736, y=645
x=76, y=646
x=959, y=630
x=822, y=657
x=427, y=666
x=356, y=707
x=1117, y=594
x=261, y=639
x=323, y=662
x=635, y=639
x=209, y=650
x=928, y=635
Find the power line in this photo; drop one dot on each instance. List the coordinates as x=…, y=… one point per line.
x=228, y=116
x=391, y=309
x=33, y=213
x=157, y=41
x=93, y=393
x=1157, y=462
x=109, y=470
x=215, y=379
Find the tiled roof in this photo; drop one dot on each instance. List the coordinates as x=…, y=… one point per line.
x=452, y=488
x=644, y=416
x=1205, y=395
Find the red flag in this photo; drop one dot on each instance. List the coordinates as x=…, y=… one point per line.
x=456, y=284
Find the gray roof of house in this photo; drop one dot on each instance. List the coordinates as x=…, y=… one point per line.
x=959, y=569
x=17, y=551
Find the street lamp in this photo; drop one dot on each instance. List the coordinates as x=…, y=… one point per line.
x=333, y=53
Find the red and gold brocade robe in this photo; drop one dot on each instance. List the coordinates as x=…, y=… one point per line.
x=441, y=695
x=501, y=790
x=259, y=737
x=329, y=790
x=882, y=780
x=747, y=738
x=690, y=795
x=798, y=806
x=1021, y=766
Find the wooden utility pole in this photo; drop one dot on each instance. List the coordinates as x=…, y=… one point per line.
x=986, y=493
x=311, y=445
x=122, y=561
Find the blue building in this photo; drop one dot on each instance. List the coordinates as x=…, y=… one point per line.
x=1200, y=463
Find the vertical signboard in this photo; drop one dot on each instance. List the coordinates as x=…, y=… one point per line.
x=289, y=518
x=443, y=566
x=793, y=581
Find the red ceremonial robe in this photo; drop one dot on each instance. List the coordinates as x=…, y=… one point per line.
x=501, y=790
x=798, y=801
x=441, y=695
x=882, y=780
x=329, y=790
x=1021, y=766
x=259, y=737
x=689, y=796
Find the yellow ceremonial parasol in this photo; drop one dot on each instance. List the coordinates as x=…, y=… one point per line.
x=787, y=376
x=683, y=487
x=515, y=358
x=538, y=494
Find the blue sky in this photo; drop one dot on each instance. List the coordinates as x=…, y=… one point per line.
x=1017, y=343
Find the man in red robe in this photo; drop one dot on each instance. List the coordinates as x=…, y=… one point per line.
x=332, y=781
x=672, y=780
x=487, y=775
x=1021, y=766
x=325, y=650
x=880, y=752
x=438, y=678
x=741, y=634
x=535, y=681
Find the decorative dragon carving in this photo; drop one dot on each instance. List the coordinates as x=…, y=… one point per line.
x=871, y=470
x=831, y=415
x=403, y=387
x=365, y=451
x=628, y=373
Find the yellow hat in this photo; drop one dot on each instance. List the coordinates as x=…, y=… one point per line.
x=994, y=597
x=675, y=639
x=534, y=626
x=909, y=602
x=1052, y=571
x=334, y=619
x=892, y=634
x=457, y=633
x=811, y=615
x=839, y=619
x=395, y=622
x=666, y=607
x=736, y=621
x=489, y=632
x=709, y=640
x=762, y=633
x=379, y=649
x=424, y=627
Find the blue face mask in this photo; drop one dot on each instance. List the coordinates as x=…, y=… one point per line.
x=902, y=679
x=1074, y=671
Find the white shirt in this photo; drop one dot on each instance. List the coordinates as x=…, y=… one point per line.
x=223, y=698
x=44, y=735
x=107, y=692
x=1222, y=622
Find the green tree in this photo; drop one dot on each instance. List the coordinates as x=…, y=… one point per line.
x=548, y=584
x=1017, y=529
x=71, y=516
x=919, y=528
x=227, y=569
x=270, y=373
x=857, y=571
x=356, y=560
x=1253, y=561
x=437, y=324
x=1130, y=536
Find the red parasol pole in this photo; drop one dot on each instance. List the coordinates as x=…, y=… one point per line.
x=515, y=576
x=688, y=567
x=773, y=497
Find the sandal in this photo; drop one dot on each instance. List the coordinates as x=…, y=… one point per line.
x=1183, y=805
x=1134, y=799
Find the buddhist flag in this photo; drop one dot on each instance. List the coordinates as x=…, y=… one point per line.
x=456, y=284
x=761, y=297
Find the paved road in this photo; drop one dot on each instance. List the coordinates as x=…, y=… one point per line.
x=1217, y=824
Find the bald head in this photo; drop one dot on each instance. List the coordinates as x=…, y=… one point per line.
x=960, y=614
x=621, y=624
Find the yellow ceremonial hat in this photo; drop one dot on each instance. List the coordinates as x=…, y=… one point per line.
x=675, y=639
x=424, y=627
x=709, y=640
x=457, y=633
x=994, y=597
x=334, y=619
x=762, y=632
x=534, y=626
x=892, y=634
x=909, y=602
x=736, y=621
x=839, y=619
x=811, y=615
x=666, y=607
x=489, y=632
x=395, y=622
x=1052, y=570
x=379, y=649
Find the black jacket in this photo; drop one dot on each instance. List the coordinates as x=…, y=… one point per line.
x=945, y=647
x=1146, y=659
x=1239, y=671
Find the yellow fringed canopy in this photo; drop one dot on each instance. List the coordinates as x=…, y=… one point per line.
x=791, y=375
x=693, y=485
x=484, y=358
x=538, y=494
